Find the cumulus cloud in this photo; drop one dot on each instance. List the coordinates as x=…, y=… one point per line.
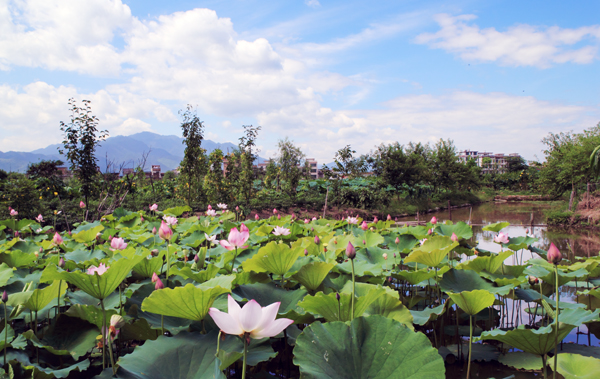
x=520, y=45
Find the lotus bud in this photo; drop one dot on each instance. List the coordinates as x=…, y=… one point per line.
x=57, y=239
x=430, y=232
x=305, y=252
x=237, y=208
x=385, y=256
x=142, y=218
x=209, y=207
x=4, y=297
x=364, y=242
x=110, y=238
x=527, y=231
x=454, y=237
x=154, y=252
x=279, y=217
x=394, y=255
x=375, y=220
x=364, y=226
x=256, y=217
x=433, y=220
x=16, y=234
x=244, y=229
x=325, y=249
x=397, y=240
x=159, y=284
x=312, y=229
x=337, y=296
x=81, y=204
x=389, y=218
x=61, y=262
x=533, y=280
x=350, y=251
x=317, y=240
x=274, y=211
x=154, y=230
x=117, y=321
x=554, y=255
x=293, y=216
x=221, y=222
x=154, y=277
x=314, y=219
x=165, y=231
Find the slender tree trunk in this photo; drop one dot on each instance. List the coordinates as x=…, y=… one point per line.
x=572, y=198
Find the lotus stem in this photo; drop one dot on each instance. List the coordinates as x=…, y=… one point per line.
x=106, y=336
x=556, y=322
x=5, y=331
x=470, y=342
x=245, y=356
x=233, y=261
x=353, y=289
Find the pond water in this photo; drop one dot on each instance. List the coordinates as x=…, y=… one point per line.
x=525, y=218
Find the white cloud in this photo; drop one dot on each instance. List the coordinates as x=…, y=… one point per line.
x=312, y=3
x=520, y=45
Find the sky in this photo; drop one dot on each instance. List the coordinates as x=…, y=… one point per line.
x=490, y=75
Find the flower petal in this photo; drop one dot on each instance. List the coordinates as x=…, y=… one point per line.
x=273, y=328
x=233, y=308
x=226, y=245
x=225, y=322
x=250, y=316
x=269, y=313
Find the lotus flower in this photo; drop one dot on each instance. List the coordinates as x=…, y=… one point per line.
x=364, y=226
x=118, y=244
x=281, y=231
x=433, y=220
x=39, y=218
x=153, y=207
x=244, y=228
x=13, y=212
x=165, y=231
x=454, y=237
x=222, y=206
x=397, y=240
x=429, y=232
x=210, y=239
x=81, y=204
x=554, y=256
x=350, y=251
x=256, y=217
x=61, y=262
x=501, y=238
x=235, y=239
x=352, y=220
x=317, y=240
x=211, y=213
x=306, y=221
x=170, y=220
x=154, y=230
x=154, y=277
x=116, y=323
x=159, y=284
x=101, y=269
x=423, y=241
x=252, y=320
x=314, y=219
x=389, y=218
x=57, y=239
x=375, y=220
x=385, y=256
x=274, y=211
x=4, y=297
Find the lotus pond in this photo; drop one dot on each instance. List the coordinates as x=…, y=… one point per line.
x=155, y=294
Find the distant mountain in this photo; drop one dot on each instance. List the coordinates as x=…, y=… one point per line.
x=166, y=151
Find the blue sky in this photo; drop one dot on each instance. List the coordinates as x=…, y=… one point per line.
x=490, y=75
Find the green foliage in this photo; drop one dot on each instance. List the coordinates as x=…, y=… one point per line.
x=194, y=165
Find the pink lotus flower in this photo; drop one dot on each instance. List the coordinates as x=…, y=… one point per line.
x=314, y=219
x=375, y=220
x=118, y=244
x=256, y=217
x=57, y=239
x=39, y=218
x=154, y=277
x=209, y=207
x=170, y=220
x=101, y=269
x=350, y=251
x=252, y=320
x=279, y=217
x=281, y=231
x=352, y=220
x=554, y=256
x=244, y=228
x=397, y=240
x=165, y=231
x=153, y=207
x=306, y=221
x=222, y=206
x=274, y=211
x=13, y=213
x=430, y=232
x=210, y=239
x=211, y=213
x=236, y=239
x=389, y=218
x=454, y=237
x=433, y=220
x=81, y=204
x=501, y=238
x=364, y=225
x=159, y=284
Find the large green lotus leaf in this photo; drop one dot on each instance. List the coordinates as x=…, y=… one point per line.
x=331, y=309
x=197, y=276
x=26, y=246
x=185, y=356
x=187, y=302
x=312, y=275
x=66, y=336
x=479, y=351
x=9, y=337
x=577, y=317
x=147, y=267
x=405, y=242
x=140, y=330
x=83, y=255
x=99, y=286
x=90, y=313
x=522, y=242
x=275, y=258
x=539, y=341
x=87, y=236
x=368, y=289
x=496, y=227
x=414, y=277
x=423, y=317
x=461, y=229
x=194, y=239
x=268, y=293
x=6, y=272
x=490, y=263
x=23, y=368
x=373, y=239
x=466, y=280
x=548, y=276
x=419, y=232
x=572, y=348
x=42, y=297
x=223, y=281
x=432, y=252
x=573, y=366
x=522, y=361
x=17, y=258
x=390, y=307
x=473, y=302
x=233, y=348
x=177, y=211
x=368, y=261
x=369, y=347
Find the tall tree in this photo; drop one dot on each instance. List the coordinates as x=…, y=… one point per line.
x=249, y=154
x=346, y=165
x=289, y=161
x=193, y=167
x=81, y=138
